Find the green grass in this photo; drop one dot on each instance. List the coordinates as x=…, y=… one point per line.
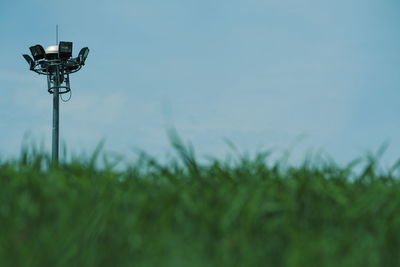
x=238, y=212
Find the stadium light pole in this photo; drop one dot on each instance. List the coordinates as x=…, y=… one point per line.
x=57, y=64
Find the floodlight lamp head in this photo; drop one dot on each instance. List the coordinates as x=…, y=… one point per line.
x=65, y=50
x=30, y=61
x=83, y=54
x=37, y=52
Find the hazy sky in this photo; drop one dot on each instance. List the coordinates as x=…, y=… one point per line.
x=259, y=73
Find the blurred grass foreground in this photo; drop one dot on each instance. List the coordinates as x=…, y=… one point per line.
x=238, y=212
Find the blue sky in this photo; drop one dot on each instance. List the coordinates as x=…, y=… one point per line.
x=259, y=73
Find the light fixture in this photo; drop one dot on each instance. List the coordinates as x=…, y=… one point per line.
x=30, y=61
x=37, y=52
x=83, y=54
x=65, y=50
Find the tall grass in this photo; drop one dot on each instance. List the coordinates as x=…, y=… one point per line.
x=239, y=212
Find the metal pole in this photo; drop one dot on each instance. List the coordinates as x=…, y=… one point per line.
x=56, y=117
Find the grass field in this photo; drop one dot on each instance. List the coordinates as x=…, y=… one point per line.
x=238, y=212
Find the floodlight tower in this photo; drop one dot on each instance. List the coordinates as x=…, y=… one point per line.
x=57, y=64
